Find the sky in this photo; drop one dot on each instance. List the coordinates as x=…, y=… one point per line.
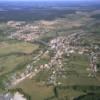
x=53, y=0
x=48, y=0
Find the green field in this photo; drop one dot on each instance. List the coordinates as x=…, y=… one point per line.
x=10, y=63
x=10, y=47
x=14, y=56
x=37, y=91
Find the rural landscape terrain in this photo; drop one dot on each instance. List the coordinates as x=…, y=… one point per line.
x=50, y=50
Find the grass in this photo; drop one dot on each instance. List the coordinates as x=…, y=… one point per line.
x=89, y=96
x=42, y=76
x=10, y=55
x=17, y=47
x=14, y=56
x=68, y=93
x=35, y=90
x=77, y=63
x=9, y=63
x=76, y=73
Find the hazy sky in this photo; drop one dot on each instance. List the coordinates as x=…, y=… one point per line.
x=52, y=0
x=49, y=0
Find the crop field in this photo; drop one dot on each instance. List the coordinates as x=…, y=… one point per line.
x=14, y=56
x=36, y=90
x=9, y=63
x=17, y=47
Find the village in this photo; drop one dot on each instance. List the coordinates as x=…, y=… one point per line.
x=49, y=50
x=60, y=46
x=26, y=31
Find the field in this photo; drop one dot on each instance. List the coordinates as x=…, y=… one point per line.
x=16, y=47
x=14, y=56
x=36, y=90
